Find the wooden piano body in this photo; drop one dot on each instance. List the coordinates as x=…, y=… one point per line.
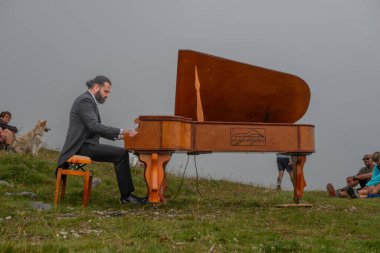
x=225, y=106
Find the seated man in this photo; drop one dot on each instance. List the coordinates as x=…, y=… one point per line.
x=85, y=129
x=7, y=132
x=373, y=186
x=361, y=178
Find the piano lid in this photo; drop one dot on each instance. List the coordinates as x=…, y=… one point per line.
x=217, y=89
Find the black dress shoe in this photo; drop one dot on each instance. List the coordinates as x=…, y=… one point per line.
x=133, y=199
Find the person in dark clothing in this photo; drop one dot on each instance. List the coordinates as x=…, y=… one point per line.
x=7, y=132
x=85, y=129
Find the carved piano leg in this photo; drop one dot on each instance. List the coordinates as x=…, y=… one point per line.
x=298, y=178
x=155, y=175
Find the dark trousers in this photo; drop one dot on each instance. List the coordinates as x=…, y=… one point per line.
x=116, y=155
x=283, y=164
x=363, y=183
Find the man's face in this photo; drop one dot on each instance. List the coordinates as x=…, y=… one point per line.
x=367, y=160
x=6, y=118
x=102, y=92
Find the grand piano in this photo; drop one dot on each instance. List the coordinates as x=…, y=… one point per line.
x=225, y=106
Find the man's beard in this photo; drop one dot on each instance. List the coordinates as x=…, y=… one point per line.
x=99, y=97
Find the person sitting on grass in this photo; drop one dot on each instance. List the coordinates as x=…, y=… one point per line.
x=7, y=132
x=373, y=186
x=2, y=141
x=361, y=178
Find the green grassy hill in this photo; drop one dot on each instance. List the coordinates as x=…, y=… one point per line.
x=227, y=217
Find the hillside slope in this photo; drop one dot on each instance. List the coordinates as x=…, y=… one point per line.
x=206, y=216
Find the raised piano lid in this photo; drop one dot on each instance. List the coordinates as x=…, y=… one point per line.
x=231, y=91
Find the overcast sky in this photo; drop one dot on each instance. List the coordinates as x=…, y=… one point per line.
x=49, y=49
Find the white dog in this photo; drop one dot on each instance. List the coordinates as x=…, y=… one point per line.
x=31, y=141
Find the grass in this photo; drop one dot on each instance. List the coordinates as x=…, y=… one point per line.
x=230, y=217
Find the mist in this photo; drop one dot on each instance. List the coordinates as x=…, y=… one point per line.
x=49, y=49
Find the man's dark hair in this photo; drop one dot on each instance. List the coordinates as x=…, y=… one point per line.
x=98, y=80
x=2, y=114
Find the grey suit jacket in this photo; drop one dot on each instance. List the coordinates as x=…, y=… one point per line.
x=84, y=127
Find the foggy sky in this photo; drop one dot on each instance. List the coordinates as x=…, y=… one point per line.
x=49, y=49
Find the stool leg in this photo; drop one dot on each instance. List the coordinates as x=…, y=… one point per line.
x=89, y=189
x=57, y=186
x=86, y=186
x=64, y=178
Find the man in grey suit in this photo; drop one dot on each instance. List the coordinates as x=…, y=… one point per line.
x=85, y=129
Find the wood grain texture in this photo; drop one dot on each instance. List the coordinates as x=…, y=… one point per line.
x=167, y=133
x=225, y=106
x=237, y=92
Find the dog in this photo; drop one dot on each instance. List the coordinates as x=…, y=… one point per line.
x=31, y=141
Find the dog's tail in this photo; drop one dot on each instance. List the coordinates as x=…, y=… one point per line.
x=17, y=141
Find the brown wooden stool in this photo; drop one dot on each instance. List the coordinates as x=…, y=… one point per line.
x=76, y=163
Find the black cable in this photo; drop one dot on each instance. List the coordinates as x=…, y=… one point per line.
x=196, y=173
x=183, y=176
x=196, y=185
x=197, y=181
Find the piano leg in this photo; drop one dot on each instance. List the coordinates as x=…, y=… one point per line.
x=155, y=175
x=298, y=178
